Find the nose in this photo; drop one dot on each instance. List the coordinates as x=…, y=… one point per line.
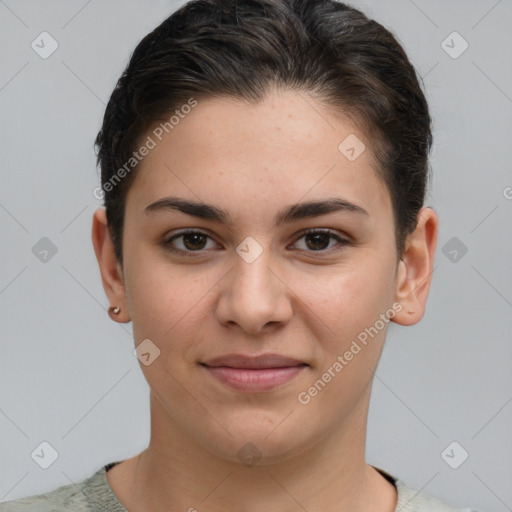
x=254, y=296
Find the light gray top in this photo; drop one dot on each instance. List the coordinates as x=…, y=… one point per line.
x=94, y=494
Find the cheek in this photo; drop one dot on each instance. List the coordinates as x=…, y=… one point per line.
x=345, y=311
x=344, y=314
x=155, y=292
x=347, y=297
x=167, y=302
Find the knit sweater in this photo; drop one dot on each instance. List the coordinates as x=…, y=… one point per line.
x=94, y=494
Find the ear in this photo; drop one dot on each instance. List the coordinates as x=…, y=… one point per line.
x=110, y=268
x=414, y=274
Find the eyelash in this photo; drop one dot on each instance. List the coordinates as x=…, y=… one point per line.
x=189, y=253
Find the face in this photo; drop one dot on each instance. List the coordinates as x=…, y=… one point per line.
x=300, y=287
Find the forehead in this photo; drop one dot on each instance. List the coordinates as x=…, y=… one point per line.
x=288, y=146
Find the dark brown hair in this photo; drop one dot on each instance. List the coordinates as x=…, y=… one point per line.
x=242, y=48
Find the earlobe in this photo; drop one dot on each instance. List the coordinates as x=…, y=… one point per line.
x=414, y=274
x=110, y=269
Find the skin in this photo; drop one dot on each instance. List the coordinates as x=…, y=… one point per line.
x=297, y=299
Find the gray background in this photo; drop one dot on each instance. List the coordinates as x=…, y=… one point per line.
x=68, y=375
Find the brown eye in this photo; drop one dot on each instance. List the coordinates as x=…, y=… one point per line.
x=318, y=240
x=187, y=242
x=194, y=241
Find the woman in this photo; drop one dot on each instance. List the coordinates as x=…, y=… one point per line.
x=264, y=167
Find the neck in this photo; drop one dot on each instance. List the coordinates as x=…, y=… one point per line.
x=174, y=473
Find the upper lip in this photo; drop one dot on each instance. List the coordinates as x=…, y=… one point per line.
x=253, y=362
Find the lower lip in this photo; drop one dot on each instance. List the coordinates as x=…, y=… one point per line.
x=254, y=380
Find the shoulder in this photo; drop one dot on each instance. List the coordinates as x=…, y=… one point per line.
x=410, y=500
x=91, y=495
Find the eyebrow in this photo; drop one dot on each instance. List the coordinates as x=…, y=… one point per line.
x=289, y=214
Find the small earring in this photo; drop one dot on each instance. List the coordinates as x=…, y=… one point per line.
x=114, y=310
x=410, y=312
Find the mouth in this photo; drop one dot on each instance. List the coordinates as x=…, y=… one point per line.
x=254, y=373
